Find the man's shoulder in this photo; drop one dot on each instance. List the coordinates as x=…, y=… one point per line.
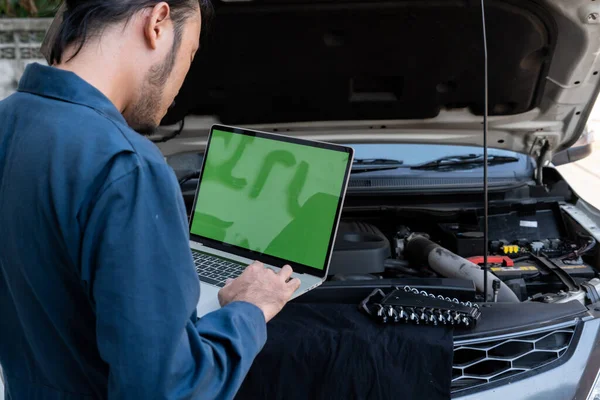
x=80, y=127
x=127, y=149
x=77, y=142
x=145, y=149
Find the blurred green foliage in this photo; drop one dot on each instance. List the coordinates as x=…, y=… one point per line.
x=28, y=8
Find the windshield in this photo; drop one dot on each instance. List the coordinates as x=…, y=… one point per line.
x=450, y=160
x=403, y=166
x=414, y=154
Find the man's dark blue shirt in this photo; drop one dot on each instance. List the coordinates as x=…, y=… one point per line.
x=98, y=290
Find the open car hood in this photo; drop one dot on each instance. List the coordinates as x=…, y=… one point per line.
x=397, y=71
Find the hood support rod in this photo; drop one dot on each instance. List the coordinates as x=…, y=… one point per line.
x=485, y=156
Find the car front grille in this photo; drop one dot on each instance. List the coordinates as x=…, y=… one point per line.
x=479, y=362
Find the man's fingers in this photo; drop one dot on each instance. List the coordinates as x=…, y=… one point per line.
x=222, y=300
x=256, y=265
x=286, y=272
x=294, y=284
x=228, y=282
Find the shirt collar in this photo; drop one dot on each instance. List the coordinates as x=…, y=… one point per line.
x=66, y=86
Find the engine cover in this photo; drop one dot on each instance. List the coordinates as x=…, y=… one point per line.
x=359, y=248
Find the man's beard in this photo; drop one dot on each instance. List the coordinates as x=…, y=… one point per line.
x=142, y=117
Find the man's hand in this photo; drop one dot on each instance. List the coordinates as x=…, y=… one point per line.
x=262, y=287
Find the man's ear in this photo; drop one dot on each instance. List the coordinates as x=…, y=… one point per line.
x=157, y=23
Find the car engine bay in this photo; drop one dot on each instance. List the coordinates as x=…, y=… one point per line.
x=537, y=253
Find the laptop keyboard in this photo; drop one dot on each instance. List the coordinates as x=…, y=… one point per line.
x=215, y=270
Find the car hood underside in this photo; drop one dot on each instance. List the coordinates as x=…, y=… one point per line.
x=396, y=71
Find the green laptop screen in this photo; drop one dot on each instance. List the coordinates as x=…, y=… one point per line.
x=270, y=196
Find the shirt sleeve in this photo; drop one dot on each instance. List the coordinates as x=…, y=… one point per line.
x=145, y=290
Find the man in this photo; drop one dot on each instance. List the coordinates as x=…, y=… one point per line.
x=97, y=285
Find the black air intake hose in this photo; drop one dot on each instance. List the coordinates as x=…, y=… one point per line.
x=420, y=250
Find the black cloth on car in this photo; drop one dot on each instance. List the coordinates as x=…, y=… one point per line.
x=333, y=351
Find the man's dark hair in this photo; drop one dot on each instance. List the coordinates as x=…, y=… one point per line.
x=83, y=19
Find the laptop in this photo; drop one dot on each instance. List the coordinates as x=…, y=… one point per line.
x=269, y=198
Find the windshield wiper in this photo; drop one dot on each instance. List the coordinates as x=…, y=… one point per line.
x=376, y=161
x=375, y=164
x=464, y=162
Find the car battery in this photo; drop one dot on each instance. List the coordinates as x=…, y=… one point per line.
x=506, y=268
x=529, y=268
